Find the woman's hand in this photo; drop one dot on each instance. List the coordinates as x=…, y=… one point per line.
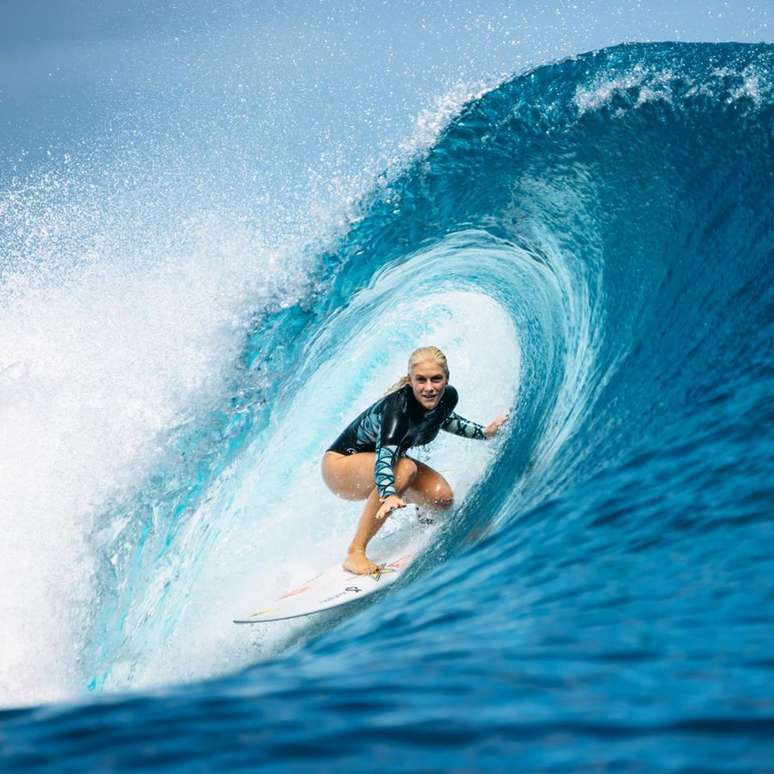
x=389, y=504
x=493, y=428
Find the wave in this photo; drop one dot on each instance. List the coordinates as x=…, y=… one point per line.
x=590, y=243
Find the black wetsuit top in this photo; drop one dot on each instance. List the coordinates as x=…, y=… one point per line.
x=397, y=422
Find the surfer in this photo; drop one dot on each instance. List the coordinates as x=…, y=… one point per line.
x=368, y=460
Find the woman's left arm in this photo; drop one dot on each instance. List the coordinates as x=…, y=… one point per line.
x=493, y=428
x=458, y=425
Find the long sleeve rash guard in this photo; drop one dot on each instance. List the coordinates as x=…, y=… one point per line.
x=397, y=422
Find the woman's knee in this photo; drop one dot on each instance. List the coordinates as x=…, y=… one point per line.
x=405, y=473
x=442, y=496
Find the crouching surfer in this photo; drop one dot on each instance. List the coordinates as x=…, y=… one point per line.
x=368, y=460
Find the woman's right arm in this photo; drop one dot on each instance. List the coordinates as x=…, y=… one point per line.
x=384, y=475
x=393, y=428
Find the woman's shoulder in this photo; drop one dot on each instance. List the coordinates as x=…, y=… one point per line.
x=450, y=397
x=397, y=399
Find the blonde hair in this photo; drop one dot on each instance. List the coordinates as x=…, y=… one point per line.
x=420, y=356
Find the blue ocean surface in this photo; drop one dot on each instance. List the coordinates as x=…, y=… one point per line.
x=591, y=244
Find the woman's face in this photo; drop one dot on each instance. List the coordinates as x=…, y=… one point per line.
x=428, y=381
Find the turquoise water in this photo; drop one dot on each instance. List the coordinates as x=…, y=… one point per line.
x=591, y=244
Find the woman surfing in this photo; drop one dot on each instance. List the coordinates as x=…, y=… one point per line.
x=368, y=460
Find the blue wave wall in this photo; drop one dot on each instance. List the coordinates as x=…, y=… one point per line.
x=603, y=594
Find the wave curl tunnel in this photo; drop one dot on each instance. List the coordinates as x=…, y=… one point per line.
x=592, y=243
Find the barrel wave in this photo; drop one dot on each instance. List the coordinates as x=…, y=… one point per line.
x=591, y=244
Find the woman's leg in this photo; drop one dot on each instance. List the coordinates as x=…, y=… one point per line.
x=352, y=477
x=429, y=488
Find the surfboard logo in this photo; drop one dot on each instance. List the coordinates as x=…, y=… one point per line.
x=351, y=589
x=381, y=570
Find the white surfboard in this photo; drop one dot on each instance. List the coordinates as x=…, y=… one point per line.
x=336, y=586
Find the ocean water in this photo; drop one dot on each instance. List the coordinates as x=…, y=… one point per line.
x=591, y=244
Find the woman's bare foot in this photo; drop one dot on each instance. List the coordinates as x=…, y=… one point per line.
x=359, y=563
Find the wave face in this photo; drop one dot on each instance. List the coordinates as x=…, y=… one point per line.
x=591, y=244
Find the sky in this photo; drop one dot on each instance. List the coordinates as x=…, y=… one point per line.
x=142, y=49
